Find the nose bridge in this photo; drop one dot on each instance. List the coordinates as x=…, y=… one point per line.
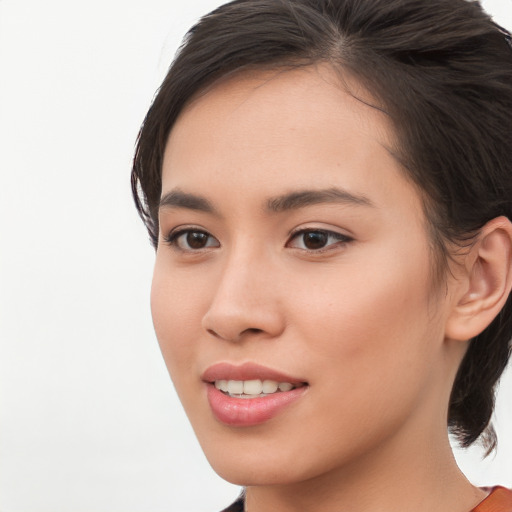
x=244, y=300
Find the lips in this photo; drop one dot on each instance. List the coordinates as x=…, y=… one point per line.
x=229, y=386
x=246, y=371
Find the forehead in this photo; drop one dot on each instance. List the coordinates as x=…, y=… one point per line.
x=284, y=99
x=269, y=131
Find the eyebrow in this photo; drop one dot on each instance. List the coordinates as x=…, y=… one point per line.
x=289, y=201
x=303, y=198
x=179, y=199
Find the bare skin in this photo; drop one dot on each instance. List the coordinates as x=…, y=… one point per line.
x=351, y=311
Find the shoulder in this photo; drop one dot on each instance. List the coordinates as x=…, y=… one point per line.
x=499, y=500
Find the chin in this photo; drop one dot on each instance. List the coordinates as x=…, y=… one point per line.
x=246, y=459
x=252, y=459
x=257, y=474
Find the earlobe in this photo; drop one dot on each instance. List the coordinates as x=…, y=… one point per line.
x=487, y=281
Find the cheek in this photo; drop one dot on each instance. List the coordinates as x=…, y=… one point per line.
x=370, y=350
x=370, y=327
x=176, y=309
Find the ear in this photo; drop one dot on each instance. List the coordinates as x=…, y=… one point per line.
x=486, y=281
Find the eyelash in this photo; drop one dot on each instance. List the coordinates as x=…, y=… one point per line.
x=340, y=239
x=173, y=238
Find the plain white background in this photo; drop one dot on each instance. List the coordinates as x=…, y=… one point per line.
x=89, y=421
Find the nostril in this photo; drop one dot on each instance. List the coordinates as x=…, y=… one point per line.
x=231, y=322
x=233, y=336
x=252, y=330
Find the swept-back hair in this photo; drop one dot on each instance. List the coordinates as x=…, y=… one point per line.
x=441, y=70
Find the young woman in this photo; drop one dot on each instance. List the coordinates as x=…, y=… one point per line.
x=328, y=186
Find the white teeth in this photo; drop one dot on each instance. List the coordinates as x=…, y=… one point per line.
x=222, y=385
x=252, y=388
x=270, y=386
x=235, y=387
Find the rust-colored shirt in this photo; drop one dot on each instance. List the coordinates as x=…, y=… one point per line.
x=499, y=500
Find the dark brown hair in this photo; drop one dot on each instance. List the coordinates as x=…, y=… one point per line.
x=442, y=71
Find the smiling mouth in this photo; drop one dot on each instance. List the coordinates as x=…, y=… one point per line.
x=254, y=388
x=249, y=394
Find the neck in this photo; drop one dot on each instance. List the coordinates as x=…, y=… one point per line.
x=388, y=480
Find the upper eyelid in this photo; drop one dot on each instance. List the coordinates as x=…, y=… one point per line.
x=341, y=239
x=174, y=234
x=332, y=231
x=178, y=231
x=184, y=228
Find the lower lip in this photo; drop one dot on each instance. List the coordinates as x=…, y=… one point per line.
x=246, y=412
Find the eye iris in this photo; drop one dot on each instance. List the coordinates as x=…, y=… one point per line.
x=197, y=240
x=315, y=239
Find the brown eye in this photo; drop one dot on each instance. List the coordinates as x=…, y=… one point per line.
x=317, y=239
x=192, y=240
x=196, y=239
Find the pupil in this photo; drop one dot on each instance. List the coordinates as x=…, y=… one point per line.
x=197, y=240
x=315, y=239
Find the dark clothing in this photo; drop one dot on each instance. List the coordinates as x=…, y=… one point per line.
x=238, y=506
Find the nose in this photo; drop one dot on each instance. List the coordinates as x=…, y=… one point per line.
x=246, y=302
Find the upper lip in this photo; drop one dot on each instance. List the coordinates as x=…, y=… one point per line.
x=246, y=371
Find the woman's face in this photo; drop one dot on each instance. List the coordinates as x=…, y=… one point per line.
x=293, y=251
